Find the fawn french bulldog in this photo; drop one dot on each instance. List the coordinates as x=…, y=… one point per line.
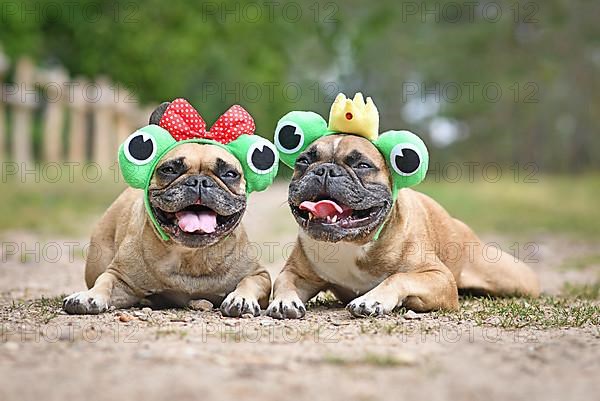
x=176, y=235
x=364, y=235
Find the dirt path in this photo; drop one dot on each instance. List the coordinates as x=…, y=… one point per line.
x=180, y=354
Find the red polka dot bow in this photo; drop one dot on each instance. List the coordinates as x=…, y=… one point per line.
x=183, y=122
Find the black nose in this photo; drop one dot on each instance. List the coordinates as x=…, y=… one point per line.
x=197, y=181
x=329, y=170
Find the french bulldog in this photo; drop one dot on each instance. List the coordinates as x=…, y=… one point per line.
x=197, y=193
x=375, y=250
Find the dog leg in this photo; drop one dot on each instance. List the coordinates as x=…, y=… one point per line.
x=424, y=291
x=503, y=277
x=107, y=291
x=291, y=291
x=250, y=295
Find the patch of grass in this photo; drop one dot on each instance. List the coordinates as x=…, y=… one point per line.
x=513, y=207
x=371, y=359
x=514, y=313
x=70, y=206
x=41, y=310
x=166, y=332
x=581, y=262
x=324, y=299
x=582, y=291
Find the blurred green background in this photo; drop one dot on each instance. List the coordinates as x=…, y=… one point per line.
x=500, y=81
x=510, y=85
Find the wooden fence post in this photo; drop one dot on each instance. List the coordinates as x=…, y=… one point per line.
x=104, y=151
x=77, y=121
x=53, y=122
x=4, y=63
x=123, y=121
x=22, y=111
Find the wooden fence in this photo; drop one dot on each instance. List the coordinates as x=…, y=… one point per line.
x=46, y=116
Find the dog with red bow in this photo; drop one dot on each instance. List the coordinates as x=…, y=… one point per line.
x=176, y=235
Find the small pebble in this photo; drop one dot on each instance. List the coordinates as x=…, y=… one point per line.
x=247, y=316
x=125, y=317
x=411, y=315
x=201, y=305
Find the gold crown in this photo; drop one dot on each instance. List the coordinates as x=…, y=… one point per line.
x=354, y=116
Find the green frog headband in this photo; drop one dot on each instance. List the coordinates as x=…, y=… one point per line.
x=405, y=153
x=175, y=123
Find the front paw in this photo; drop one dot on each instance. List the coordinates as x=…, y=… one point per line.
x=236, y=305
x=368, y=306
x=292, y=308
x=85, y=303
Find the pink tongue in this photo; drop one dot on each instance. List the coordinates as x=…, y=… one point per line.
x=205, y=221
x=324, y=208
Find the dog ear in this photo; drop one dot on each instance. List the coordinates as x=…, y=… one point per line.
x=158, y=113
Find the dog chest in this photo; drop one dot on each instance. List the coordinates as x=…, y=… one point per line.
x=336, y=263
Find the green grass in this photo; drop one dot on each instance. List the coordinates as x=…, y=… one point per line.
x=582, y=291
x=512, y=313
x=370, y=359
x=555, y=204
x=581, y=262
x=41, y=310
x=61, y=208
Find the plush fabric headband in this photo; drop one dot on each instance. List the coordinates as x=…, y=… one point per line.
x=180, y=123
x=405, y=153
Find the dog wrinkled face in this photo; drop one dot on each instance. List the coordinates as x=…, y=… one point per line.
x=198, y=194
x=341, y=189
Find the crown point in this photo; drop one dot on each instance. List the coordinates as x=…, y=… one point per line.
x=358, y=97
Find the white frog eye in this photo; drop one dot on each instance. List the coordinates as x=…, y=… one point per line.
x=140, y=148
x=262, y=157
x=289, y=137
x=405, y=159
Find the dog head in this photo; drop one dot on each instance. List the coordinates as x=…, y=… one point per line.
x=341, y=189
x=346, y=176
x=198, y=194
x=196, y=181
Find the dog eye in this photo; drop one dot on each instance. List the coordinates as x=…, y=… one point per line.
x=303, y=161
x=289, y=137
x=262, y=157
x=405, y=159
x=231, y=174
x=139, y=148
x=363, y=165
x=167, y=170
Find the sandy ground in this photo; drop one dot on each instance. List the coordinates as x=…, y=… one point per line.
x=146, y=354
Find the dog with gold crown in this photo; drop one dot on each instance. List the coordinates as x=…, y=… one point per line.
x=367, y=237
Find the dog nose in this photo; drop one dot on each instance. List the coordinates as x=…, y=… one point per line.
x=196, y=181
x=329, y=170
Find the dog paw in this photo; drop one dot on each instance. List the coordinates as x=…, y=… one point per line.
x=236, y=305
x=367, y=306
x=287, y=309
x=85, y=303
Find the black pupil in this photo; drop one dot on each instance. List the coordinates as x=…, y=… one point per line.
x=288, y=137
x=263, y=159
x=140, y=149
x=408, y=162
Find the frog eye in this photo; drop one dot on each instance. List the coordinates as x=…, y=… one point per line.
x=140, y=148
x=405, y=159
x=289, y=137
x=262, y=157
